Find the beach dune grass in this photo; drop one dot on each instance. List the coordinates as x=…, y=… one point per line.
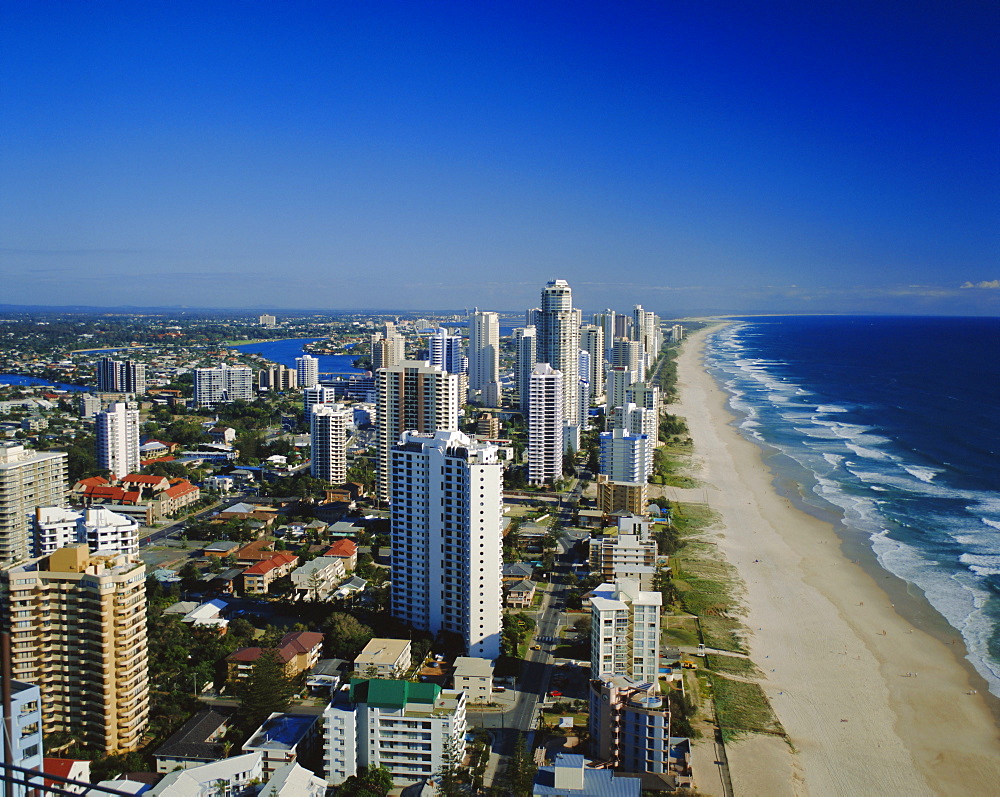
x=723, y=633
x=742, y=707
x=733, y=665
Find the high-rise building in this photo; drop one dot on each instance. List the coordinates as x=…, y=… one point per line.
x=28, y=479
x=267, y=320
x=388, y=347
x=117, y=432
x=625, y=631
x=307, y=369
x=558, y=329
x=445, y=350
x=526, y=341
x=634, y=421
x=79, y=632
x=627, y=353
x=545, y=425
x=321, y=394
x=606, y=321
x=447, y=514
x=222, y=385
x=484, y=349
x=278, y=377
x=120, y=376
x=412, y=729
x=87, y=405
x=25, y=738
x=629, y=723
x=412, y=396
x=647, y=331
x=584, y=393
x=328, y=437
x=619, y=378
x=592, y=342
x=615, y=497
x=624, y=457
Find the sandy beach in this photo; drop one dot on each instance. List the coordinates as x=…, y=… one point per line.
x=872, y=704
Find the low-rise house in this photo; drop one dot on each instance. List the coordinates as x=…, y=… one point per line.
x=474, y=676
x=199, y=741
x=179, y=495
x=353, y=586
x=570, y=775
x=347, y=551
x=316, y=579
x=236, y=777
x=220, y=548
x=69, y=768
x=258, y=578
x=521, y=594
x=384, y=658
x=284, y=739
x=292, y=780
x=149, y=486
x=298, y=650
x=516, y=571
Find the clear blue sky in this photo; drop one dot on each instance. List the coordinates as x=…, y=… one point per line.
x=691, y=156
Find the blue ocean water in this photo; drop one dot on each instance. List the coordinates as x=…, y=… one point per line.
x=892, y=425
x=284, y=352
x=18, y=379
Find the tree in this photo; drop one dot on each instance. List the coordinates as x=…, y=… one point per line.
x=520, y=770
x=372, y=781
x=451, y=776
x=267, y=689
x=346, y=636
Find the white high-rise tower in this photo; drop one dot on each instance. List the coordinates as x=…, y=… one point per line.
x=307, y=367
x=527, y=341
x=545, y=425
x=484, y=350
x=118, y=440
x=447, y=514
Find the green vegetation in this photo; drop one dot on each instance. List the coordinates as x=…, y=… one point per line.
x=371, y=782
x=723, y=633
x=734, y=665
x=742, y=707
x=266, y=690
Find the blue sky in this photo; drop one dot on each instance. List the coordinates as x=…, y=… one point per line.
x=693, y=157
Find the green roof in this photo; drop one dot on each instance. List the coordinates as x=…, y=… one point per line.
x=386, y=693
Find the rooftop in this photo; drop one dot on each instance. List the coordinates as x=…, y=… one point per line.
x=281, y=732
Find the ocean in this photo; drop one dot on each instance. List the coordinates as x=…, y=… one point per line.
x=284, y=352
x=892, y=427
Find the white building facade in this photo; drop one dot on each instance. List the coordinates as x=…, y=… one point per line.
x=117, y=432
x=625, y=631
x=222, y=385
x=447, y=511
x=307, y=369
x=545, y=425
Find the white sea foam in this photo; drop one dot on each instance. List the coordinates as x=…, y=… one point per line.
x=925, y=474
x=868, y=453
x=830, y=408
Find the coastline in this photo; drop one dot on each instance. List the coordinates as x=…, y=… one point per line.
x=836, y=651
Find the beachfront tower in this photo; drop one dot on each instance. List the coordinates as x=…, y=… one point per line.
x=625, y=631
x=28, y=479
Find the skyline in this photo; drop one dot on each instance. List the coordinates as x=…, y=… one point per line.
x=719, y=159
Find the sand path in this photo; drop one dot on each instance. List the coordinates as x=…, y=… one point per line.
x=835, y=653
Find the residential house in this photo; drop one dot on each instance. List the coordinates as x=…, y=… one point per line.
x=384, y=658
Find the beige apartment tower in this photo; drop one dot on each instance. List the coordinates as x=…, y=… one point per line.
x=78, y=631
x=412, y=396
x=28, y=479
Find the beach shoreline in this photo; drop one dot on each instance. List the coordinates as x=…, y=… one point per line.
x=858, y=670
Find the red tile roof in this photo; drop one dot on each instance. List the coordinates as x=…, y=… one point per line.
x=180, y=489
x=301, y=641
x=343, y=548
x=140, y=478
